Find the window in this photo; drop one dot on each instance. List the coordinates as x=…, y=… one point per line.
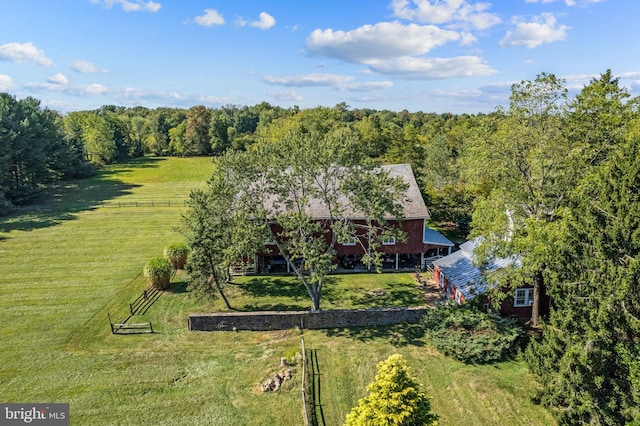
x=349, y=241
x=523, y=297
x=388, y=241
x=458, y=296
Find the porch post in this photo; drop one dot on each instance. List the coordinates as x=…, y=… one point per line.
x=397, y=261
x=422, y=265
x=450, y=248
x=288, y=268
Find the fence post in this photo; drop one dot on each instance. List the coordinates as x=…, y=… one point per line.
x=304, y=381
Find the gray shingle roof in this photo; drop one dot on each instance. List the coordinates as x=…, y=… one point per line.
x=413, y=203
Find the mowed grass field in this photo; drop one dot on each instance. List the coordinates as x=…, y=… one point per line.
x=75, y=257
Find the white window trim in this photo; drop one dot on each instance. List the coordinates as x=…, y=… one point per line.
x=351, y=241
x=389, y=241
x=458, y=295
x=524, y=294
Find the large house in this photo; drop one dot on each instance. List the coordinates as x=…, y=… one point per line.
x=421, y=246
x=461, y=280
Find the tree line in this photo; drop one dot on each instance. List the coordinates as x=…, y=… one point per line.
x=430, y=142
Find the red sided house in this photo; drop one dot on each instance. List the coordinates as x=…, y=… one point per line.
x=421, y=246
x=460, y=280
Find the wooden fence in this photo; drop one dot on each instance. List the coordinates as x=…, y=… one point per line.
x=129, y=328
x=143, y=203
x=141, y=304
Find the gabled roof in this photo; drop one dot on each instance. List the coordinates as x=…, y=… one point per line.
x=414, y=206
x=431, y=236
x=412, y=202
x=459, y=270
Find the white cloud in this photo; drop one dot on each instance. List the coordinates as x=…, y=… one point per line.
x=367, y=86
x=125, y=95
x=308, y=80
x=567, y=2
x=385, y=40
x=542, y=29
x=6, y=83
x=75, y=90
x=453, y=12
x=83, y=66
x=210, y=18
x=59, y=78
x=630, y=75
x=133, y=96
x=265, y=22
x=286, y=95
x=340, y=82
x=131, y=5
x=24, y=52
x=413, y=68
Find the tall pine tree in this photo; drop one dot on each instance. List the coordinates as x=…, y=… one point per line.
x=588, y=358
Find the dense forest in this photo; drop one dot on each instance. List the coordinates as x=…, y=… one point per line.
x=551, y=179
x=430, y=142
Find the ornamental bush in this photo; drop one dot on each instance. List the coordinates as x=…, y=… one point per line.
x=158, y=271
x=177, y=255
x=469, y=335
x=394, y=399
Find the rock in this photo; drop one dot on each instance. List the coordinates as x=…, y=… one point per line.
x=272, y=384
x=286, y=374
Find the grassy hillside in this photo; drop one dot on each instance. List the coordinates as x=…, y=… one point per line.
x=76, y=256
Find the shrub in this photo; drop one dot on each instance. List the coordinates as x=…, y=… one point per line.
x=469, y=335
x=394, y=399
x=158, y=270
x=177, y=255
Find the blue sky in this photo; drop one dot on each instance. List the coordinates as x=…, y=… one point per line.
x=421, y=55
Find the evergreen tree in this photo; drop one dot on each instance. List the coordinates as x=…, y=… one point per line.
x=394, y=399
x=33, y=150
x=588, y=359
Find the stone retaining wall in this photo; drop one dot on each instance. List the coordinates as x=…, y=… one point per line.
x=272, y=320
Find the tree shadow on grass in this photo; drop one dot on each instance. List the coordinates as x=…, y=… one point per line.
x=395, y=295
x=63, y=200
x=266, y=288
x=273, y=287
x=178, y=287
x=398, y=335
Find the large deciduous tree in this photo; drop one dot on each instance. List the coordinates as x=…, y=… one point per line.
x=272, y=191
x=523, y=163
x=196, y=135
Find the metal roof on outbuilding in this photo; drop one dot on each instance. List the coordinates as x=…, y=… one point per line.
x=459, y=270
x=431, y=236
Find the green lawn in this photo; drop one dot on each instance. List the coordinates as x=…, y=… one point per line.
x=73, y=258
